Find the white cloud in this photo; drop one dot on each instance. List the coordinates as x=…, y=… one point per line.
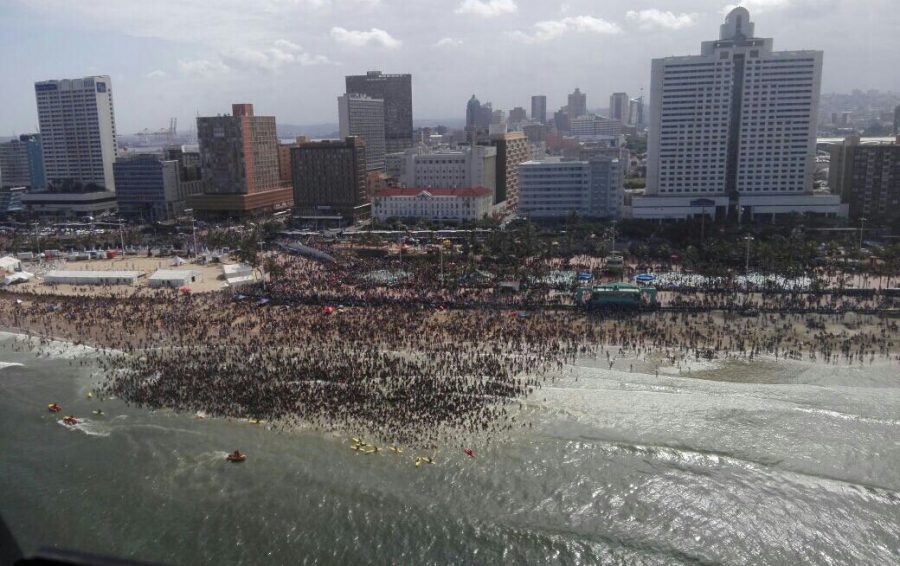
x=758, y=6
x=448, y=42
x=272, y=59
x=554, y=29
x=657, y=19
x=223, y=21
x=202, y=67
x=280, y=54
x=487, y=8
x=157, y=74
x=359, y=38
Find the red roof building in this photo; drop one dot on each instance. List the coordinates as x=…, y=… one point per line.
x=432, y=204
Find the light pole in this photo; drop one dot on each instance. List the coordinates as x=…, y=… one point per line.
x=122, y=238
x=91, y=234
x=748, y=238
x=862, y=224
x=193, y=229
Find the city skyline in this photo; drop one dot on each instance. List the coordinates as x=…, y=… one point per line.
x=277, y=53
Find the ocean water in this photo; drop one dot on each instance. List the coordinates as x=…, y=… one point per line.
x=769, y=462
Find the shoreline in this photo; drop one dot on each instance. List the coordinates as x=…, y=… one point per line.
x=403, y=373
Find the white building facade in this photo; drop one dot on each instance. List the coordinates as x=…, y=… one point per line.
x=433, y=204
x=362, y=116
x=474, y=166
x=591, y=125
x=555, y=188
x=78, y=131
x=736, y=122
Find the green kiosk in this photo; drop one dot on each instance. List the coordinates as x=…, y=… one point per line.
x=615, y=295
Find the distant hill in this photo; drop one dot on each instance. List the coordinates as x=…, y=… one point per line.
x=315, y=131
x=326, y=131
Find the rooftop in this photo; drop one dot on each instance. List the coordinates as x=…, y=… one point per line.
x=472, y=192
x=167, y=274
x=85, y=274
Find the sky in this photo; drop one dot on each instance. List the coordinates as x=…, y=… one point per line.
x=184, y=58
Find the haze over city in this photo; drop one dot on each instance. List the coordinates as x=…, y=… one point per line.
x=171, y=58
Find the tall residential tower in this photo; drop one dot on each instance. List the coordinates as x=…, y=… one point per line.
x=78, y=138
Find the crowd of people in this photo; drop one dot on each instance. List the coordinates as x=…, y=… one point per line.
x=330, y=348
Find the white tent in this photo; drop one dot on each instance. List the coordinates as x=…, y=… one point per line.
x=9, y=263
x=18, y=277
x=92, y=277
x=238, y=274
x=178, y=261
x=173, y=278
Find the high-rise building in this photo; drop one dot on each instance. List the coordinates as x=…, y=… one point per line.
x=867, y=178
x=536, y=132
x=22, y=163
x=396, y=92
x=478, y=118
x=147, y=188
x=285, y=174
x=592, y=125
x=577, y=104
x=78, y=141
x=474, y=166
x=539, y=108
x=78, y=133
x=897, y=120
x=732, y=130
x=473, y=113
x=363, y=117
x=555, y=188
x=285, y=171
x=189, y=171
x=561, y=120
x=636, y=112
x=517, y=115
x=330, y=179
x=512, y=150
x=11, y=201
x=239, y=162
x=619, y=106
x=606, y=149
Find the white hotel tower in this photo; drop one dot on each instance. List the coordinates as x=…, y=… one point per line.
x=734, y=130
x=78, y=131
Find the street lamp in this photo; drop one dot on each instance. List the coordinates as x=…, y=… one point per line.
x=193, y=229
x=122, y=238
x=748, y=238
x=862, y=224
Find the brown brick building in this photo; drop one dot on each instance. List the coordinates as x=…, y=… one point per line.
x=239, y=163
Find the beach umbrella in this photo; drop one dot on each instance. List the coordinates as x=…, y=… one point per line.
x=645, y=278
x=328, y=310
